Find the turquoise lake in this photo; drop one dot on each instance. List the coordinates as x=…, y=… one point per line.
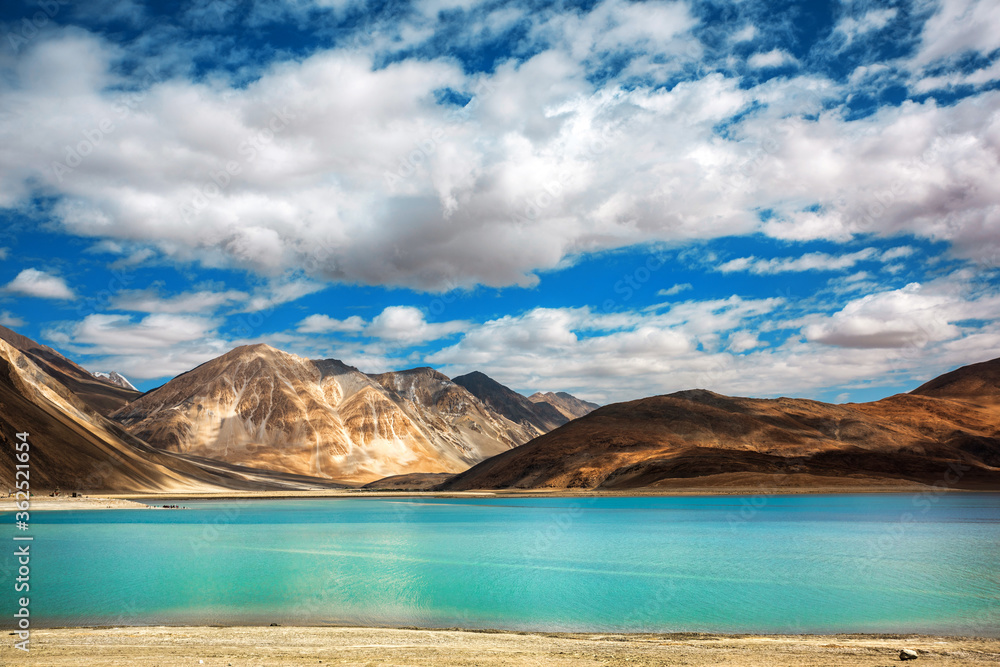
x=778, y=564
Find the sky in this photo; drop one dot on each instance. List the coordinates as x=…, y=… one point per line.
x=615, y=199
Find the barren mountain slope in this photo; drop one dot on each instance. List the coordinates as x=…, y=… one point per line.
x=103, y=395
x=265, y=408
x=569, y=405
x=977, y=382
x=539, y=417
x=699, y=434
x=73, y=447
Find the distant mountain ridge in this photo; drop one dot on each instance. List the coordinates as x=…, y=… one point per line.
x=977, y=382
x=948, y=430
x=115, y=378
x=541, y=417
x=570, y=406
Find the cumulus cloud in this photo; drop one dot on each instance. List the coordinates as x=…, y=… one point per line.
x=959, y=26
x=405, y=324
x=772, y=58
x=742, y=341
x=745, y=34
x=32, y=282
x=610, y=357
x=155, y=346
x=912, y=317
x=387, y=186
x=326, y=324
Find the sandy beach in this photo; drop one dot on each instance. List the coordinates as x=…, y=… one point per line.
x=241, y=646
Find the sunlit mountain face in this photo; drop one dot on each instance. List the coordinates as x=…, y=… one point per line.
x=610, y=199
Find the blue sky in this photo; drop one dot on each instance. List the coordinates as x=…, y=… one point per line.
x=616, y=199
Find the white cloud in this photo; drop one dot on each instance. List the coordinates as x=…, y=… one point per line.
x=887, y=338
x=745, y=34
x=326, y=324
x=3, y=253
x=611, y=357
x=32, y=282
x=742, y=341
x=813, y=261
x=150, y=301
x=155, y=346
x=958, y=26
x=912, y=317
x=772, y=58
x=897, y=253
x=407, y=325
x=279, y=292
x=875, y=19
x=8, y=319
x=977, y=77
x=676, y=289
x=541, y=167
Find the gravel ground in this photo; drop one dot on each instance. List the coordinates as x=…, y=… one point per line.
x=177, y=646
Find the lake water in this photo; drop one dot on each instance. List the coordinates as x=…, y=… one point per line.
x=795, y=564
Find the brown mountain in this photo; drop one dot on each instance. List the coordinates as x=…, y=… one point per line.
x=699, y=438
x=260, y=407
x=104, y=395
x=73, y=447
x=539, y=417
x=979, y=383
x=569, y=405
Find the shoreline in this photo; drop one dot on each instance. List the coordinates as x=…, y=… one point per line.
x=296, y=645
x=134, y=500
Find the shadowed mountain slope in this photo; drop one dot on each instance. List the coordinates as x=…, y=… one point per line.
x=569, y=405
x=697, y=434
x=74, y=448
x=540, y=417
x=104, y=395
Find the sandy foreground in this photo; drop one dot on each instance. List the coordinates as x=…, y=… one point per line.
x=381, y=646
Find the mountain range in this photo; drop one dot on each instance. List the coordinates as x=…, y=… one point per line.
x=256, y=417
x=261, y=407
x=260, y=418
x=945, y=432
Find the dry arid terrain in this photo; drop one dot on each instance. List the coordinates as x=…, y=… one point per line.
x=242, y=646
x=944, y=432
